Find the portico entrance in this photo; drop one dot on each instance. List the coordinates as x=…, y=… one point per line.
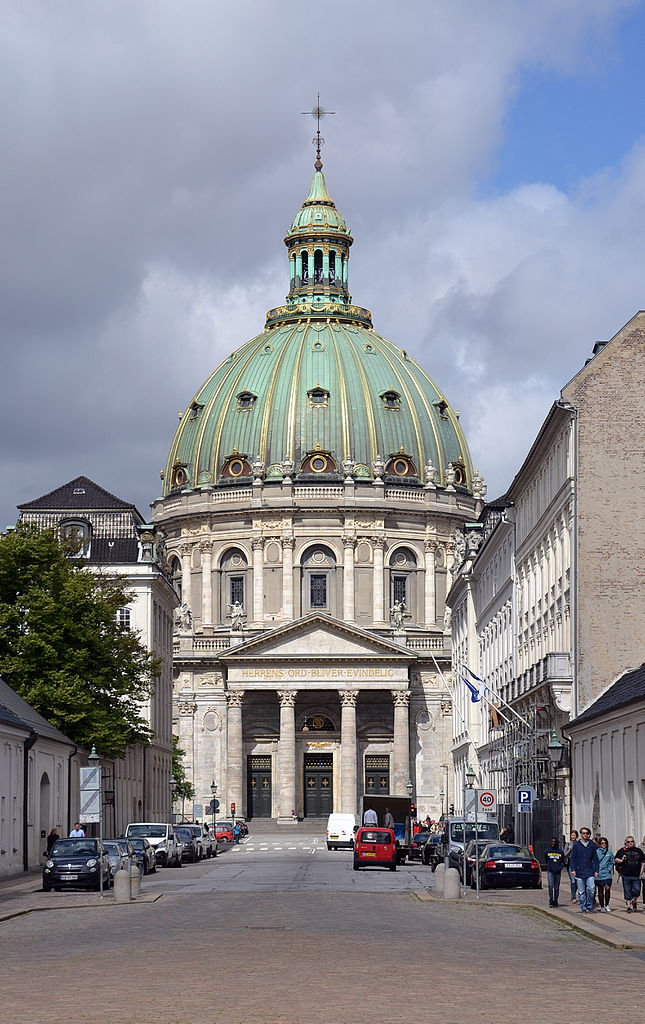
x=319, y=785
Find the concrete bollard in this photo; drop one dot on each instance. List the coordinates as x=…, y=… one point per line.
x=122, y=886
x=451, y=884
x=135, y=881
x=438, y=876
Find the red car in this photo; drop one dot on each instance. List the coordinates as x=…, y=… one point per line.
x=223, y=833
x=375, y=846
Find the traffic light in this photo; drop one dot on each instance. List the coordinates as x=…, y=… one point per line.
x=232, y=808
x=413, y=810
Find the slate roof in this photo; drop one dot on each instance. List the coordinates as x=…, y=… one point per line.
x=89, y=496
x=628, y=689
x=113, y=551
x=23, y=714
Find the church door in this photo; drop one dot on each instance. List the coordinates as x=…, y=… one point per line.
x=259, y=786
x=319, y=790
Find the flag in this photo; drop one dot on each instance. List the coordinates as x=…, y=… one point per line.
x=474, y=692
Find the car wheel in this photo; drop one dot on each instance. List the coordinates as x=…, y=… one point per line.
x=393, y=865
x=482, y=883
x=355, y=865
x=47, y=888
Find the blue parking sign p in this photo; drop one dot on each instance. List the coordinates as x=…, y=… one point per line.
x=524, y=799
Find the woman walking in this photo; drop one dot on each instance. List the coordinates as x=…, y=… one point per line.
x=567, y=855
x=605, y=875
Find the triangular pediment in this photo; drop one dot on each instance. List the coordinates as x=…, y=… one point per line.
x=318, y=636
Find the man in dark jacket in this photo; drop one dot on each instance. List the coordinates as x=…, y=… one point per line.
x=583, y=863
x=554, y=860
x=630, y=861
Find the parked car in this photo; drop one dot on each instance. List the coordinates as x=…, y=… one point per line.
x=209, y=842
x=191, y=849
x=179, y=860
x=200, y=838
x=160, y=835
x=417, y=842
x=432, y=850
x=118, y=855
x=144, y=855
x=223, y=832
x=340, y=831
x=375, y=846
x=456, y=860
x=76, y=864
x=504, y=866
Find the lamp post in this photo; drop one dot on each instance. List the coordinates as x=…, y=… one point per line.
x=214, y=795
x=470, y=782
x=93, y=759
x=441, y=797
x=555, y=750
x=173, y=786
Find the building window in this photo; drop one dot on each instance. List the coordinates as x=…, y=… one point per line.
x=391, y=399
x=332, y=267
x=123, y=617
x=318, y=397
x=237, y=590
x=318, y=590
x=78, y=535
x=400, y=590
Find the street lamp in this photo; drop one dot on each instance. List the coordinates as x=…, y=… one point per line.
x=470, y=782
x=470, y=777
x=173, y=786
x=94, y=762
x=213, y=794
x=441, y=796
x=556, y=750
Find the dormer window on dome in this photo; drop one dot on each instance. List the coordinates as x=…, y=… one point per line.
x=178, y=475
x=401, y=465
x=442, y=408
x=391, y=400
x=318, y=461
x=460, y=472
x=245, y=401
x=194, y=410
x=318, y=397
x=236, y=465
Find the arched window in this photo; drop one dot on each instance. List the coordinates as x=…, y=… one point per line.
x=234, y=569
x=77, y=533
x=318, y=580
x=175, y=575
x=304, y=266
x=403, y=566
x=318, y=266
x=332, y=267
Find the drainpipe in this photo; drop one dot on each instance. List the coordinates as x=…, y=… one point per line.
x=573, y=570
x=69, y=789
x=28, y=744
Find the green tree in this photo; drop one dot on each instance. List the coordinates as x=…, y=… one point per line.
x=61, y=647
x=182, y=788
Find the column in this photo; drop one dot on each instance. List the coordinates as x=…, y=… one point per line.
x=257, y=544
x=430, y=608
x=207, y=584
x=348, y=788
x=377, y=583
x=186, y=551
x=310, y=266
x=401, y=765
x=234, y=751
x=287, y=756
x=288, y=544
x=348, y=580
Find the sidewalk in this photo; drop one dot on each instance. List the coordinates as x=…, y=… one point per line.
x=23, y=893
x=618, y=929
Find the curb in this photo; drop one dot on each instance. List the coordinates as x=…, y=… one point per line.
x=78, y=906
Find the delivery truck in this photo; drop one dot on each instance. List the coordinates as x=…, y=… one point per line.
x=400, y=809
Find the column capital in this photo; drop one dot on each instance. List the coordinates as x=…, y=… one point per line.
x=379, y=543
x=288, y=542
x=186, y=708
x=430, y=544
x=287, y=698
x=185, y=548
x=235, y=698
x=348, y=698
x=257, y=543
x=349, y=540
x=401, y=698
x=206, y=547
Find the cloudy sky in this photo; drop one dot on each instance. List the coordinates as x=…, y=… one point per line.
x=489, y=158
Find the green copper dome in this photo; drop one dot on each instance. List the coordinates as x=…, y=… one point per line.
x=318, y=395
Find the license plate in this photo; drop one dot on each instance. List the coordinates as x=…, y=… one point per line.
x=333, y=837
x=68, y=878
x=512, y=865
x=369, y=855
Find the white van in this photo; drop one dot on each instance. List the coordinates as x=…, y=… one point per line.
x=340, y=831
x=161, y=835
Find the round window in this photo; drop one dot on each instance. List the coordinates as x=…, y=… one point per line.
x=459, y=475
x=180, y=478
x=236, y=467
x=400, y=467
x=319, y=464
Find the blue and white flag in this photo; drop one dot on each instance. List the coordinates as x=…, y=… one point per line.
x=474, y=692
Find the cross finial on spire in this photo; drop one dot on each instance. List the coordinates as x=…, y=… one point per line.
x=318, y=113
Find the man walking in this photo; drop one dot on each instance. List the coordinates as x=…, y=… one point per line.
x=77, y=832
x=583, y=864
x=630, y=861
x=554, y=860
x=370, y=817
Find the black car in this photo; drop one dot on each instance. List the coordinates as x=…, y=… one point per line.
x=456, y=858
x=504, y=866
x=76, y=864
x=417, y=842
x=432, y=851
x=144, y=856
x=192, y=851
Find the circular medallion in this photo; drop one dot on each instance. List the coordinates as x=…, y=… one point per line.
x=236, y=467
x=424, y=720
x=400, y=467
x=319, y=464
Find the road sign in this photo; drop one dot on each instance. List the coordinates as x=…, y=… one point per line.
x=525, y=798
x=90, y=795
x=480, y=801
x=487, y=799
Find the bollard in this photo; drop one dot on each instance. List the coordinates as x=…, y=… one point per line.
x=451, y=884
x=135, y=881
x=122, y=886
x=438, y=876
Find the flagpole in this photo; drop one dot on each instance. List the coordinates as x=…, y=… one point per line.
x=498, y=696
x=454, y=704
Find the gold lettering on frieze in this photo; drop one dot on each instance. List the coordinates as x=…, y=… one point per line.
x=318, y=673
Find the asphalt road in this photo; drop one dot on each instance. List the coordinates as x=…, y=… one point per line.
x=294, y=936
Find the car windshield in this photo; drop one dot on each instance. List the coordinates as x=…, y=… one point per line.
x=74, y=848
x=111, y=846
x=149, y=831
x=137, y=844
x=375, y=837
x=485, y=830
x=184, y=834
x=507, y=852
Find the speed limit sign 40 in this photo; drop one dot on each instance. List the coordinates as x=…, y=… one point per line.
x=487, y=799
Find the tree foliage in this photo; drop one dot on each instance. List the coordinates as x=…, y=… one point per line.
x=62, y=649
x=182, y=788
